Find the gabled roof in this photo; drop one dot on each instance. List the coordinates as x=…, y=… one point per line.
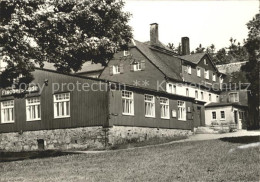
x=166, y=62
x=196, y=58
x=193, y=58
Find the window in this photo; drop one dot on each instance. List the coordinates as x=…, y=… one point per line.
x=187, y=92
x=33, y=109
x=7, y=111
x=171, y=88
x=128, y=102
x=149, y=106
x=214, y=115
x=241, y=115
x=116, y=69
x=196, y=94
x=214, y=77
x=126, y=53
x=233, y=97
x=181, y=110
x=137, y=66
x=206, y=74
x=205, y=62
x=222, y=115
x=209, y=97
x=198, y=72
x=189, y=69
x=202, y=95
x=61, y=105
x=164, y=104
x=217, y=98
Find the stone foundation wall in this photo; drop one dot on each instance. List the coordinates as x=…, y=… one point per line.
x=123, y=134
x=73, y=138
x=82, y=138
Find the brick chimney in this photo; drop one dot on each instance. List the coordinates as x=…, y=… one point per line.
x=154, y=37
x=185, y=43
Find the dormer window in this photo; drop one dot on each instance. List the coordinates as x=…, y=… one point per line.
x=198, y=72
x=126, y=53
x=138, y=65
x=206, y=74
x=116, y=69
x=189, y=69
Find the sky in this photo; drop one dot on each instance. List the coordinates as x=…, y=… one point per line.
x=204, y=22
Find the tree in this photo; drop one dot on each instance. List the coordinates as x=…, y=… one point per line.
x=200, y=49
x=66, y=33
x=252, y=70
x=177, y=50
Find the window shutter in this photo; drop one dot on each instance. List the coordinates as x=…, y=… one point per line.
x=143, y=65
x=121, y=68
x=132, y=67
x=111, y=70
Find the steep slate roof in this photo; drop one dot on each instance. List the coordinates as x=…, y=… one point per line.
x=165, y=62
x=86, y=67
x=90, y=67
x=221, y=104
x=194, y=58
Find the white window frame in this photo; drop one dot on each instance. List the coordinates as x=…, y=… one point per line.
x=116, y=69
x=137, y=66
x=150, y=105
x=198, y=72
x=165, y=108
x=214, y=77
x=7, y=107
x=33, y=109
x=196, y=94
x=237, y=96
x=187, y=92
x=126, y=53
x=171, y=88
x=221, y=115
x=205, y=62
x=215, y=115
x=202, y=95
x=189, y=69
x=61, y=104
x=127, y=100
x=181, y=110
x=206, y=74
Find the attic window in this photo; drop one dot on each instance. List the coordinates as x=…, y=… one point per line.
x=198, y=72
x=205, y=62
x=189, y=69
x=138, y=65
x=126, y=53
x=214, y=77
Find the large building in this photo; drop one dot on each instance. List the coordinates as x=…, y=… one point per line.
x=145, y=91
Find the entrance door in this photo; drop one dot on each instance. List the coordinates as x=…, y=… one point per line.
x=235, y=117
x=199, y=116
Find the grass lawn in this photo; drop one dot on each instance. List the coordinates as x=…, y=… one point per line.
x=189, y=161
